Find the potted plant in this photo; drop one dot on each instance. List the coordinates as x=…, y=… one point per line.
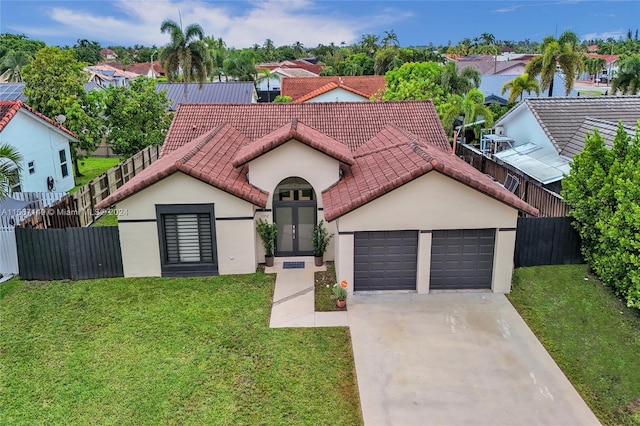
x=320, y=241
x=340, y=294
x=267, y=232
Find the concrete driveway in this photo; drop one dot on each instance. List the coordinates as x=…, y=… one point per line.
x=455, y=359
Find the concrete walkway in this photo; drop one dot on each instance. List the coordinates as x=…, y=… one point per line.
x=293, y=297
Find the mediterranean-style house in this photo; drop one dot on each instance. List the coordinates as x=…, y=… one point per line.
x=332, y=89
x=43, y=144
x=406, y=214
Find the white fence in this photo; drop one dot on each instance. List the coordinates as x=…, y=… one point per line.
x=10, y=218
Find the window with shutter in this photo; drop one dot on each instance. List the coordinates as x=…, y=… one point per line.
x=187, y=239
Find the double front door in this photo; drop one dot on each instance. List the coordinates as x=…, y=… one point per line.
x=295, y=221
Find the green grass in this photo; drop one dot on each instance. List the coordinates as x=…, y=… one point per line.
x=106, y=220
x=589, y=332
x=590, y=93
x=91, y=168
x=188, y=351
x=324, y=295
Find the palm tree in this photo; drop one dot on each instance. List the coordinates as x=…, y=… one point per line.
x=267, y=74
x=390, y=39
x=488, y=38
x=12, y=64
x=459, y=82
x=594, y=65
x=186, y=52
x=298, y=49
x=556, y=54
x=369, y=44
x=471, y=106
x=628, y=78
x=10, y=168
x=520, y=84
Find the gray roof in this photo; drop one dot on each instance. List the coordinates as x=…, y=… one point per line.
x=606, y=129
x=492, y=85
x=562, y=117
x=13, y=91
x=210, y=93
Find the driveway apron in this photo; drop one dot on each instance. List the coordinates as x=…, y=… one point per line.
x=455, y=359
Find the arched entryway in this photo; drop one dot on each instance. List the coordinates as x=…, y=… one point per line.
x=294, y=212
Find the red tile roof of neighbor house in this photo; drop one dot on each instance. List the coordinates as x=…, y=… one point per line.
x=8, y=109
x=390, y=156
x=142, y=68
x=296, y=63
x=366, y=85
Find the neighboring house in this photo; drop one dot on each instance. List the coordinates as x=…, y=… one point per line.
x=406, y=214
x=491, y=87
x=610, y=69
x=275, y=82
x=210, y=93
x=333, y=89
x=14, y=91
x=490, y=65
x=147, y=69
x=540, y=136
x=108, y=54
x=43, y=145
x=107, y=75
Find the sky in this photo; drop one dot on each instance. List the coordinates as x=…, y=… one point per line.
x=244, y=23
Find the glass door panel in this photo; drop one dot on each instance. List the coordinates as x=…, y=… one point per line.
x=284, y=221
x=304, y=229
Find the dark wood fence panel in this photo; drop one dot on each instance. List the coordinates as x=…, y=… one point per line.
x=95, y=252
x=548, y=203
x=546, y=241
x=72, y=253
x=43, y=254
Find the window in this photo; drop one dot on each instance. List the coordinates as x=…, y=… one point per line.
x=63, y=163
x=187, y=239
x=32, y=167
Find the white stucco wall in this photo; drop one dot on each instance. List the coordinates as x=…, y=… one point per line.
x=431, y=202
x=274, y=84
x=522, y=127
x=39, y=142
x=295, y=159
x=140, y=240
x=339, y=95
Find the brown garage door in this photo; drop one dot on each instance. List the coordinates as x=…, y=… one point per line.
x=385, y=260
x=462, y=259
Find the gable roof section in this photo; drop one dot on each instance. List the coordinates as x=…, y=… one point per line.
x=300, y=132
x=606, y=129
x=8, y=110
x=352, y=123
x=207, y=158
x=328, y=88
x=209, y=93
x=560, y=118
x=366, y=85
x=394, y=157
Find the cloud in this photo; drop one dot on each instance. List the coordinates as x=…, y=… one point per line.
x=604, y=35
x=507, y=9
x=240, y=24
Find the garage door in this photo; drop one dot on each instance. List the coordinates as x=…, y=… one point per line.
x=462, y=259
x=385, y=260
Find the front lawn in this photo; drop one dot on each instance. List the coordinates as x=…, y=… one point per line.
x=166, y=351
x=590, y=333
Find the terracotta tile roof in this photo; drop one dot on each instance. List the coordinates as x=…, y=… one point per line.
x=143, y=68
x=367, y=85
x=300, y=132
x=391, y=155
x=296, y=63
x=352, y=123
x=394, y=157
x=207, y=158
x=8, y=109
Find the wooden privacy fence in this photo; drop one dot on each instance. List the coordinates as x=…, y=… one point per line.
x=61, y=214
x=72, y=253
x=546, y=241
x=101, y=187
x=547, y=202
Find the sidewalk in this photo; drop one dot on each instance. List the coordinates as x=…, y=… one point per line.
x=293, y=297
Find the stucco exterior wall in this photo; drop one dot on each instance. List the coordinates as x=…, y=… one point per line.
x=235, y=230
x=295, y=159
x=432, y=202
x=522, y=127
x=338, y=95
x=38, y=142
